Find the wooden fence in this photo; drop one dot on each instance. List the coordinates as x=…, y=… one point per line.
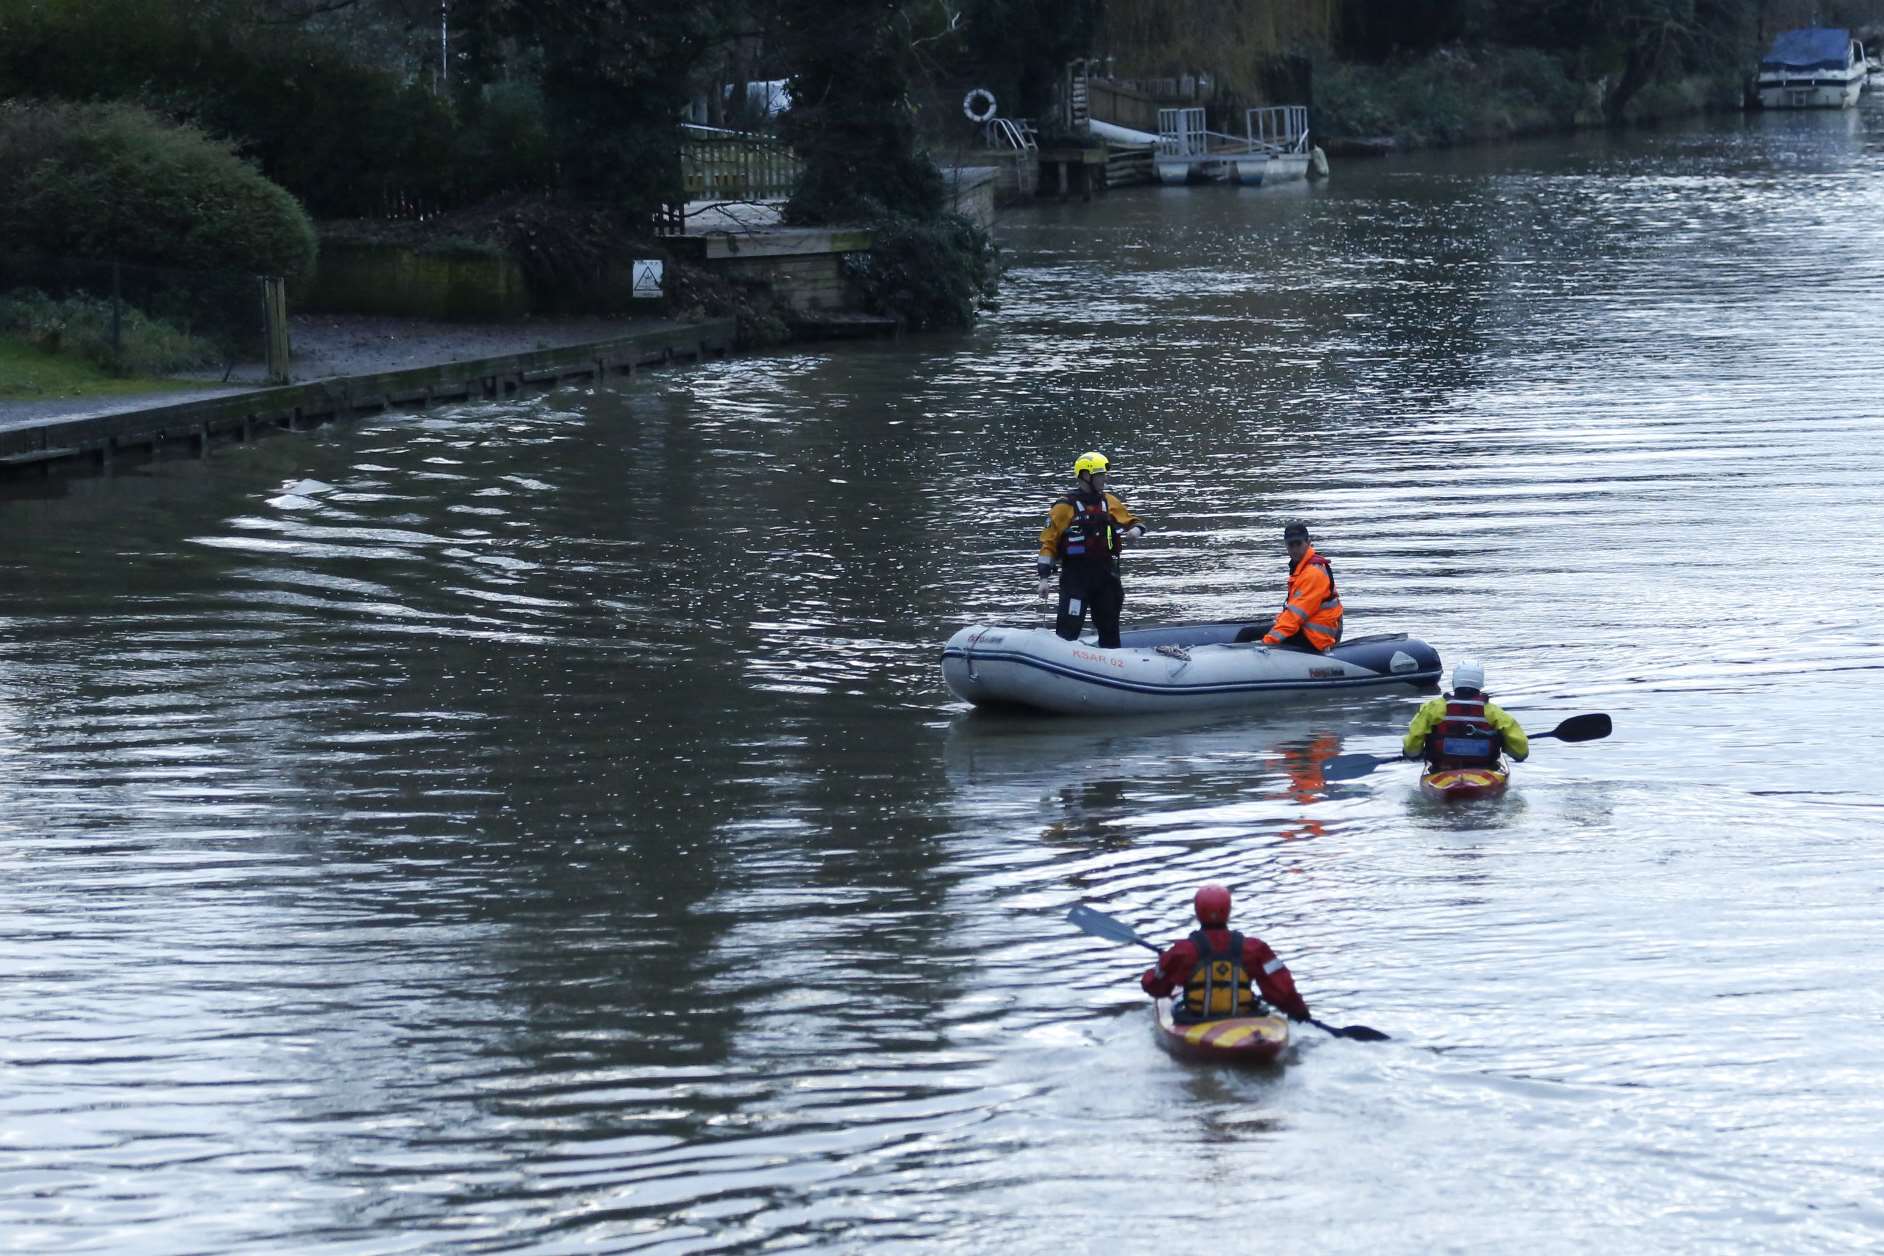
x=1109, y=100
x=720, y=165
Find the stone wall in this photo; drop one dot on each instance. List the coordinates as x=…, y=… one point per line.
x=802, y=265
x=392, y=279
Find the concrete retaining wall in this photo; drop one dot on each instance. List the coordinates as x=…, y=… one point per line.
x=972, y=191
x=391, y=279
x=802, y=265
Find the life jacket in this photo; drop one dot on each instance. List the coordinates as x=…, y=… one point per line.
x=1465, y=738
x=1323, y=628
x=1218, y=984
x=1092, y=537
x=1327, y=569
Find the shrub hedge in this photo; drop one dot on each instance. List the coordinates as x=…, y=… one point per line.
x=82, y=327
x=1452, y=96
x=927, y=272
x=113, y=181
x=349, y=140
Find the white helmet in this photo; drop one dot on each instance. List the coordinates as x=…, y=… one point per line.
x=1468, y=674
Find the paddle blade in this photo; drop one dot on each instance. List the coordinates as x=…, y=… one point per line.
x=1582, y=728
x=1347, y=767
x=1360, y=1033
x=1100, y=925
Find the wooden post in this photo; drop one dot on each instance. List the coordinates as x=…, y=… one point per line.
x=275, y=323
x=117, y=314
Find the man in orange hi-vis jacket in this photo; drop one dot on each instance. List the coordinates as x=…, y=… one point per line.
x=1311, y=615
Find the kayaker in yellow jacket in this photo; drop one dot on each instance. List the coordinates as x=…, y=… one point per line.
x=1085, y=532
x=1464, y=728
x=1310, y=618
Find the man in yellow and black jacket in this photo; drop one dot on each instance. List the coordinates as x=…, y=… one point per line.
x=1085, y=532
x=1465, y=728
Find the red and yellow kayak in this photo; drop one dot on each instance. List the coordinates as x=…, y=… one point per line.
x=1458, y=784
x=1237, y=1040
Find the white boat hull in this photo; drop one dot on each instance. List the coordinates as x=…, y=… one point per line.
x=1193, y=667
x=1811, y=93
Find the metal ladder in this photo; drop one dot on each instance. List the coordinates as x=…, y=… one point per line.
x=1077, y=112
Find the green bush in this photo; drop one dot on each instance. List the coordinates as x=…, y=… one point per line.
x=504, y=144
x=82, y=327
x=114, y=181
x=1452, y=96
x=927, y=273
x=1675, y=97
x=348, y=139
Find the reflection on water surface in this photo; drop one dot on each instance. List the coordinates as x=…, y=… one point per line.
x=542, y=826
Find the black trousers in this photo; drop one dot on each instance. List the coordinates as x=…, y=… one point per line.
x=1297, y=640
x=1083, y=593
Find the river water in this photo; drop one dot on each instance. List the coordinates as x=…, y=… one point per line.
x=542, y=826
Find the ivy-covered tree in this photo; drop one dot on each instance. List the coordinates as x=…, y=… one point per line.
x=1019, y=47
x=1373, y=30
x=1627, y=44
x=615, y=75
x=1632, y=42
x=851, y=119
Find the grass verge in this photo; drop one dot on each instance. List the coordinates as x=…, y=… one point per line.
x=29, y=373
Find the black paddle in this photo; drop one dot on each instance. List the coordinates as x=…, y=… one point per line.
x=1346, y=767
x=1101, y=925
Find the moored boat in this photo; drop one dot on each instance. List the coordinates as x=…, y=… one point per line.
x=1812, y=68
x=1185, y=667
x=1459, y=784
x=1235, y=1040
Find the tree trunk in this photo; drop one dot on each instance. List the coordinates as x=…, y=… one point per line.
x=1645, y=59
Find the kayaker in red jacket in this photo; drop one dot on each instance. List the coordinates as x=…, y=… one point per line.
x=1218, y=972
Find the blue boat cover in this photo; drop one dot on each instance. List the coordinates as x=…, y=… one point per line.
x=1812, y=48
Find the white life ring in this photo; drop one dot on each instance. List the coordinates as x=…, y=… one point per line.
x=978, y=105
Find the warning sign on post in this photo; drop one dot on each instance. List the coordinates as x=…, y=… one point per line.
x=648, y=277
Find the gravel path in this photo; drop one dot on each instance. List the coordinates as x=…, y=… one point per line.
x=330, y=345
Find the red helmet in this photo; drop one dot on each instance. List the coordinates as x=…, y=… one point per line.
x=1213, y=906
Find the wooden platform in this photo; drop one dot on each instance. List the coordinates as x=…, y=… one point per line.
x=1072, y=169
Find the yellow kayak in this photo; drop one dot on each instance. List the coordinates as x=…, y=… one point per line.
x=1235, y=1040
x=1458, y=784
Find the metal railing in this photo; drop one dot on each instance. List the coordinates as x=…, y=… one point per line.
x=1182, y=133
x=1015, y=133
x=1277, y=129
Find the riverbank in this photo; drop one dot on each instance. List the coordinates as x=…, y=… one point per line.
x=331, y=346
x=736, y=278
x=1460, y=96
x=419, y=367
